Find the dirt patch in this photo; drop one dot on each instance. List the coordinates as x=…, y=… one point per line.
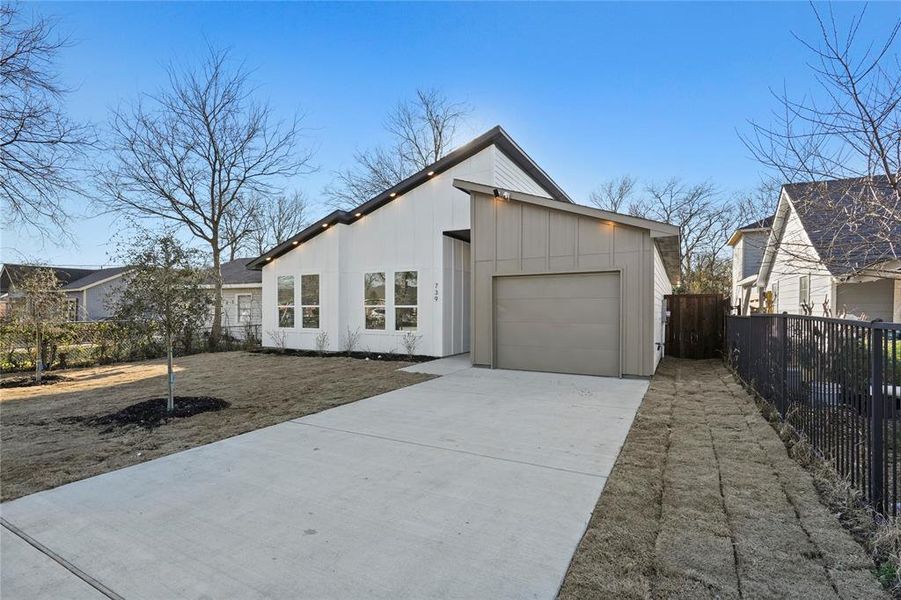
x=152, y=413
x=29, y=381
x=704, y=502
x=386, y=356
x=48, y=438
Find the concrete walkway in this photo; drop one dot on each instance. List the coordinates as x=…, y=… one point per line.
x=478, y=484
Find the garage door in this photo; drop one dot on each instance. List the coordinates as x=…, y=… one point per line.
x=559, y=323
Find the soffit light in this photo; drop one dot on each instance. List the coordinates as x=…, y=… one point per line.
x=430, y=173
x=324, y=225
x=359, y=215
x=393, y=194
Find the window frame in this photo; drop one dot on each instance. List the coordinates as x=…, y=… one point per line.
x=396, y=306
x=384, y=305
x=803, y=279
x=238, y=308
x=279, y=306
x=318, y=306
x=71, y=309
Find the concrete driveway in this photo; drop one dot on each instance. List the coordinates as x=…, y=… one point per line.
x=478, y=484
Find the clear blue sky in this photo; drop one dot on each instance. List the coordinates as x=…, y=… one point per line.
x=591, y=91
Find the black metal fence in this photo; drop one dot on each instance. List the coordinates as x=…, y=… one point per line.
x=838, y=382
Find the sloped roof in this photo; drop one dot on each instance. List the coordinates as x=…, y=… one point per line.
x=852, y=223
x=236, y=272
x=495, y=135
x=15, y=272
x=764, y=223
x=94, y=278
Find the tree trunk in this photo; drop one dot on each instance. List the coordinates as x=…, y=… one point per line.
x=170, y=397
x=38, y=360
x=216, y=328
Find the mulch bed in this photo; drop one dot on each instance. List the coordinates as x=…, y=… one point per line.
x=152, y=413
x=28, y=381
x=385, y=356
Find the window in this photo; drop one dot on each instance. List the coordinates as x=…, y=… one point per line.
x=71, y=309
x=309, y=301
x=405, y=300
x=374, y=300
x=245, y=313
x=285, y=301
x=804, y=289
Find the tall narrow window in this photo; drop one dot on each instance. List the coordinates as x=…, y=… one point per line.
x=405, y=300
x=245, y=312
x=309, y=301
x=374, y=300
x=286, y=301
x=804, y=289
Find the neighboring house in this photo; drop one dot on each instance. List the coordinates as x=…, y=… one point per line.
x=92, y=297
x=814, y=257
x=512, y=270
x=12, y=274
x=242, y=295
x=748, y=244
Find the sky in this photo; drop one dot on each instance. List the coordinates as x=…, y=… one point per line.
x=590, y=91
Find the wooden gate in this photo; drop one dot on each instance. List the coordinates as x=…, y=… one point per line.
x=695, y=325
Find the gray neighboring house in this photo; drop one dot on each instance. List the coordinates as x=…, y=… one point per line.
x=91, y=296
x=748, y=244
x=242, y=296
x=816, y=257
x=11, y=274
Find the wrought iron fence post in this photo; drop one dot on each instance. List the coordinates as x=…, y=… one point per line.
x=783, y=333
x=876, y=415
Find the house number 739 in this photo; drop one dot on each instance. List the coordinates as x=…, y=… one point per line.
x=436, y=291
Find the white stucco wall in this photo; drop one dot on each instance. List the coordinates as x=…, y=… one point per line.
x=405, y=234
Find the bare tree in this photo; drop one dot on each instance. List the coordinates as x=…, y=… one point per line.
x=704, y=218
x=166, y=288
x=239, y=225
x=615, y=195
x=194, y=151
x=43, y=306
x=848, y=134
x=422, y=132
x=40, y=147
x=277, y=220
x=758, y=203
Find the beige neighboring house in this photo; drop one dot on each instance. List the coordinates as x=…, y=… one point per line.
x=814, y=257
x=242, y=294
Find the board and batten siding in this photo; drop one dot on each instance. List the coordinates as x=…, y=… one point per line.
x=796, y=257
x=662, y=287
x=406, y=234
x=511, y=237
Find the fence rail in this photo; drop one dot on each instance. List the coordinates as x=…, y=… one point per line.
x=838, y=382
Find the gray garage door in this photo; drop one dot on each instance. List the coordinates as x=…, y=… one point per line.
x=559, y=323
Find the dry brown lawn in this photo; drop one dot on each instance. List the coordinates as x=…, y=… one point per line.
x=704, y=502
x=42, y=447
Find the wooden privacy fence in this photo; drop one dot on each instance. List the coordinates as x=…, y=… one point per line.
x=838, y=383
x=695, y=325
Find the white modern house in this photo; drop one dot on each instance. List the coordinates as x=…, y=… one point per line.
x=823, y=258
x=480, y=252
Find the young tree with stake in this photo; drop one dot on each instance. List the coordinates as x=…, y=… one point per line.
x=165, y=289
x=43, y=306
